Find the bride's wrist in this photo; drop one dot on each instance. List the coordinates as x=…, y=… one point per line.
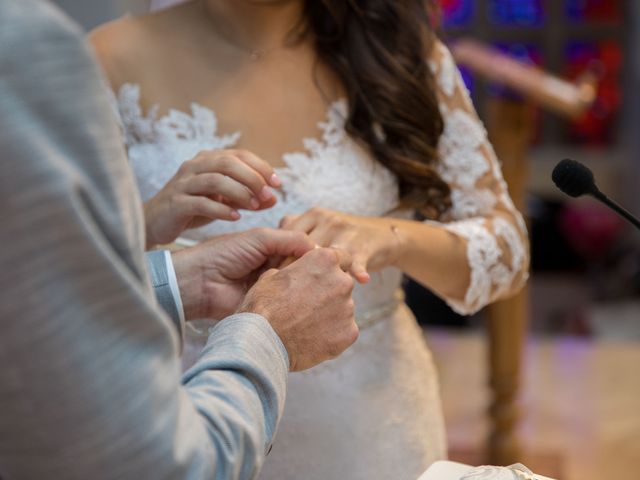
x=397, y=245
x=404, y=243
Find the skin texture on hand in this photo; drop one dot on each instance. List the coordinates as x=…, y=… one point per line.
x=215, y=275
x=425, y=252
x=213, y=185
x=309, y=304
x=372, y=242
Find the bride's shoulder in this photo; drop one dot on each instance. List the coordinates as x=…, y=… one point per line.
x=120, y=44
x=116, y=44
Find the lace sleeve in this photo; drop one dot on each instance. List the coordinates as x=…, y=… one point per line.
x=482, y=212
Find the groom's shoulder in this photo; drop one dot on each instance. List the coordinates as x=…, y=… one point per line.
x=32, y=24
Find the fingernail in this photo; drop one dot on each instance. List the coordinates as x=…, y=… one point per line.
x=255, y=203
x=235, y=215
x=275, y=181
x=266, y=193
x=364, y=277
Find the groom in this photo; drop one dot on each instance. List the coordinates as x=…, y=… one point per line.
x=89, y=372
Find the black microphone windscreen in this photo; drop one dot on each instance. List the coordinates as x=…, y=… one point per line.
x=573, y=178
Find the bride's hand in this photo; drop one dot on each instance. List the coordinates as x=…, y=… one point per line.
x=214, y=185
x=372, y=242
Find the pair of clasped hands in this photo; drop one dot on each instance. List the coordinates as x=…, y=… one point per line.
x=299, y=277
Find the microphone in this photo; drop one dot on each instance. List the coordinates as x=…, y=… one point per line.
x=575, y=179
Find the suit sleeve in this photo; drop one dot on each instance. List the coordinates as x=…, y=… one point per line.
x=90, y=384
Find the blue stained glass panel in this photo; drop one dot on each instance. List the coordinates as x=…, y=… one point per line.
x=528, y=13
x=468, y=78
x=457, y=13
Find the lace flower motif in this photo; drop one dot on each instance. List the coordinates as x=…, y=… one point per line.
x=200, y=126
x=495, y=246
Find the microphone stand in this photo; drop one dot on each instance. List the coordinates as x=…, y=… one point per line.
x=617, y=208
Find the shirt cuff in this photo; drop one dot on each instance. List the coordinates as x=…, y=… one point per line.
x=165, y=286
x=173, y=285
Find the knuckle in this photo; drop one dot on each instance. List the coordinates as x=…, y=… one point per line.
x=178, y=202
x=326, y=255
x=215, y=180
x=286, y=221
x=300, y=237
x=336, y=222
x=241, y=153
x=353, y=334
x=336, y=348
x=346, y=283
x=225, y=161
x=261, y=233
x=186, y=166
x=351, y=307
x=199, y=206
x=271, y=272
x=201, y=156
x=318, y=211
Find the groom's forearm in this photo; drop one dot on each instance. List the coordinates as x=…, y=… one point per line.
x=90, y=384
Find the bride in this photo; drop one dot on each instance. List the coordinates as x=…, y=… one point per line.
x=356, y=115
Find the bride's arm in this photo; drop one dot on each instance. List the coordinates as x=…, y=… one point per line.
x=479, y=252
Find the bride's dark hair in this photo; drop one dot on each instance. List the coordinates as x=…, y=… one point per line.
x=380, y=49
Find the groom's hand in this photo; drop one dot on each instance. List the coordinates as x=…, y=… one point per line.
x=215, y=275
x=309, y=305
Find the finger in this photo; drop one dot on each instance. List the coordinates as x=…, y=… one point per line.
x=267, y=204
x=302, y=223
x=287, y=221
x=263, y=205
x=345, y=260
x=286, y=262
x=269, y=273
x=359, y=270
x=235, y=168
x=323, y=236
x=234, y=193
x=261, y=166
x=205, y=207
x=282, y=243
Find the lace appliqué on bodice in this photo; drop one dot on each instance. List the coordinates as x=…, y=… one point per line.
x=336, y=173
x=331, y=171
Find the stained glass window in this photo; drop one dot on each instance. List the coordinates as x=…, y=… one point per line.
x=525, y=52
x=593, y=10
x=604, y=60
x=565, y=37
x=457, y=13
x=468, y=78
x=516, y=12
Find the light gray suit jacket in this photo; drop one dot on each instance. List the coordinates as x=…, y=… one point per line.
x=90, y=384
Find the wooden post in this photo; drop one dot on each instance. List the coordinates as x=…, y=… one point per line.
x=510, y=124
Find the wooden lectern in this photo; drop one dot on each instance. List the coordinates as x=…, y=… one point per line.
x=510, y=124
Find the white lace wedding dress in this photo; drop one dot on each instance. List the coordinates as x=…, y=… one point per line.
x=373, y=413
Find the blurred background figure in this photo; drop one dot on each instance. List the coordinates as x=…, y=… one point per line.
x=569, y=408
